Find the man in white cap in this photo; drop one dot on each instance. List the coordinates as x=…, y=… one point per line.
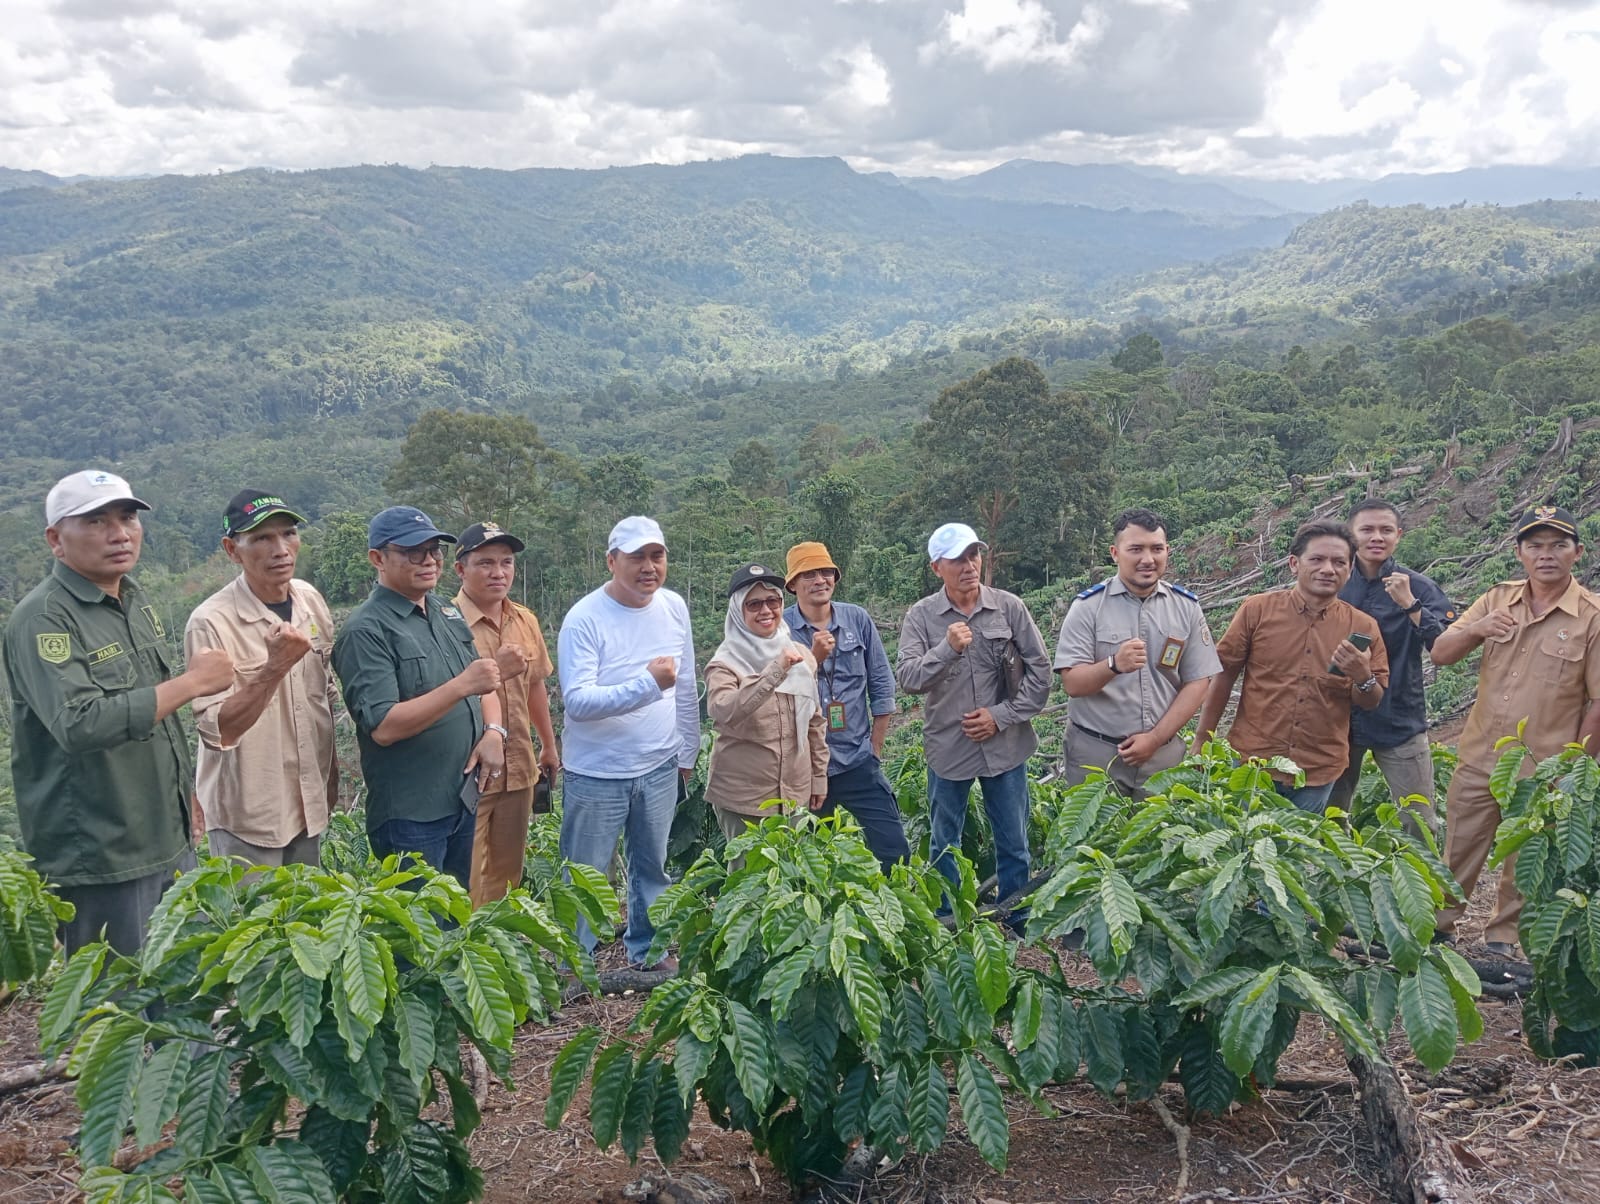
x=977, y=654
x=632, y=728
x=98, y=757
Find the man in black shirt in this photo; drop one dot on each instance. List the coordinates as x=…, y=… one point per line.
x=1411, y=612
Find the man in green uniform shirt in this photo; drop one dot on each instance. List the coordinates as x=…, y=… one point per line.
x=99, y=760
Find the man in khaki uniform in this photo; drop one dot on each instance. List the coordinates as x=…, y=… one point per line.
x=486, y=562
x=267, y=776
x=1541, y=662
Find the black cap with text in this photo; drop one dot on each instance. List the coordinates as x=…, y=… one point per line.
x=249, y=508
x=1555, y=517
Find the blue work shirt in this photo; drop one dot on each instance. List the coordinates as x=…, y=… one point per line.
x=1403, y=713
x=858, y=674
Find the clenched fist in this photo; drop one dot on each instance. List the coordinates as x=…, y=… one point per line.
x=791, y=655
x=1495, y=626
x=513, y=661
x=959, y=635
x=286, y=644
x=1132, y=656
x=482, y=676
x=665, y=670
x=822, y=645
x=211, y=671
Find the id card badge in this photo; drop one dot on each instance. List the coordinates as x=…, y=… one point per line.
x=1171, y=653
x=836, y=716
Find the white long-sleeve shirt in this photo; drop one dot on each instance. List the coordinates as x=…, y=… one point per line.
x=618, y=722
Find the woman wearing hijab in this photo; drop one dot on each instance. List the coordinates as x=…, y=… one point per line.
x=761, y=693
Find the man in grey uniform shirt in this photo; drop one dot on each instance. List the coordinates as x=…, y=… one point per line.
x=1136, y=657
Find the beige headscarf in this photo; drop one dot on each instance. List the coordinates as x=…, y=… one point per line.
x=749, y=655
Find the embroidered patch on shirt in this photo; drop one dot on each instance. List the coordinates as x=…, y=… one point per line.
x=110, y=651
x=155, y=621
x=54, y=647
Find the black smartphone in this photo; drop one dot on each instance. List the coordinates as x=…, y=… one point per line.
x=1361, y=641
x=541, y=797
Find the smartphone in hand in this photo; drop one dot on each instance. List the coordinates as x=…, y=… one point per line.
x=1361, y=641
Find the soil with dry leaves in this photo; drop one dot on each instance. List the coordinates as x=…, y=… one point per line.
x=1523, y=1130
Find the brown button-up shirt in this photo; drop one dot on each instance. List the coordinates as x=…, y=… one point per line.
x=1547, y=672
x=1289, y=704
x=958, y=682
x=274, y=783
x=758, y=754
x=517, y=625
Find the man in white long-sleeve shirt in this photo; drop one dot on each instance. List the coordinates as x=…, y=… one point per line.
x=626, y=661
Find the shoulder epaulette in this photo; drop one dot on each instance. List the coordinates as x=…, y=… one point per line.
x=1182, y=592
x=1093, y=590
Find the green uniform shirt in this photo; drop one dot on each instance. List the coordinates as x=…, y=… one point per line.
x=102, y=788
x=392, y=650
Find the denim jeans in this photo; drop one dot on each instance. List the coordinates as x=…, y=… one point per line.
x=445, y=844
x=1005, y=798
x=595, y=811
x=864, y=793
x=1308, y=798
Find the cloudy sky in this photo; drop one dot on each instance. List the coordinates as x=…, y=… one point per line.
x=1287, y=88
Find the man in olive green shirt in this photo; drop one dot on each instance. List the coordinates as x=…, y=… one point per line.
x=98, y=758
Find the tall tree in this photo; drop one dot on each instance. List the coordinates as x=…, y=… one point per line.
x=466, y=468
x=1029, y=468
x=833, y=505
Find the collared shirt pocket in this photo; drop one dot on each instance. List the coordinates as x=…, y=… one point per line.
x=1561, y=661
x=1108, y=639
x=113, y=674
x=994, y=632
x=411, y=670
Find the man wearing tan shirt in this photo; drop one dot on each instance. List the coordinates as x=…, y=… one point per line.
x=1541, y=662
x=486, y=562
x=266, y=776
x=1302, y=673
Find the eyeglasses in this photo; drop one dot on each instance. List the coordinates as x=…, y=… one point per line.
x=422, y=555
x=763, y=604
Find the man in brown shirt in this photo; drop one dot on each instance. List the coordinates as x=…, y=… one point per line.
x=1301, y=671
x=1541, y=662
x=266, y=775
x=486, y=562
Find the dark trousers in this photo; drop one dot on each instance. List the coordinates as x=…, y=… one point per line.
x=445, y=844
x=118, y=910
x=864, y=792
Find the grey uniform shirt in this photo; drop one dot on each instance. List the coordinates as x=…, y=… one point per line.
x=1173, y=628
x=958, y=682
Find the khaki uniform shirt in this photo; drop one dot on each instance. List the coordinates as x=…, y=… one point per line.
x=273, y=784
x=1548, y=673
x=757, y=754
x=102, y=785
x=1289, y=704
x=522, y=628
x=1176, y=639
x=958, y=682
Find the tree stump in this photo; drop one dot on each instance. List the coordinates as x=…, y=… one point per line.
x=1417, y=1168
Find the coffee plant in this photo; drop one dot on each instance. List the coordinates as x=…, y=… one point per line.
x=1549, y=826
x=29, y=914
x=301, y=1025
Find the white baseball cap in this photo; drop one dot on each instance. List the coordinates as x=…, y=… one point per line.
x=952, y=539
x=84, y=491
x=635, y=532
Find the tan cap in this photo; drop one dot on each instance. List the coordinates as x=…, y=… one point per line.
x=803, y=558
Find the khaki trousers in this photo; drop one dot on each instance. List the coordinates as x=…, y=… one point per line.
x=1407, y=770
x=500, y=843
x=1470, y=818
x=1081, y=749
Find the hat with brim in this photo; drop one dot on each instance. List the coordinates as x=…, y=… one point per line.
x=249, y=508
x=85, y=492
x=807, y=558
x=1556, y=518
x=482, y=534
x=405, y=527
x=952, y=539
x=635, y=532
x=752, y=574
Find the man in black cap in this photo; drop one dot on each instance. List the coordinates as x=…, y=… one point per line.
x=266, y=776
x=486, y=563
x=427, y=719
x=1540, y=637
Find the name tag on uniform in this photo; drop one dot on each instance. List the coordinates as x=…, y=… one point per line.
x=836, y=716
x=1171, y=653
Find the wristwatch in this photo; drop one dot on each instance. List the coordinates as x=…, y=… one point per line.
x=1111, y=663
x=495, y=727
x=1413, y=608
x=1366, y=686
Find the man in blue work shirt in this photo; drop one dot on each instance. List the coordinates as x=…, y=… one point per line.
x=854, y=680
x=1411, y=612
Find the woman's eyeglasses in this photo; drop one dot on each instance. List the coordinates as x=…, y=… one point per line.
x=763, y=604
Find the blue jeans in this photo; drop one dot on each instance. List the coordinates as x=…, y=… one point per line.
x=862, y=791
x=1005, y=798
x=594, y=812
x=445, y=844
x=1308, y=798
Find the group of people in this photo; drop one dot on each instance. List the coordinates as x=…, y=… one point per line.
x=452, y=713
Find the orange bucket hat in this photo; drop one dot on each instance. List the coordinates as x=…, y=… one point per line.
x=803, y=558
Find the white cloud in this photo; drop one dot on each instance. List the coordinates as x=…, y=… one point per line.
x=1013, y=33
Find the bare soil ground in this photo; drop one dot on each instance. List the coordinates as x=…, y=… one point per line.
x=1524, y=1130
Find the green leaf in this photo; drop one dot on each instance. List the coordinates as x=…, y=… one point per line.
x=1208, y=1085
x=203, y=1104
x=1405, y=948
x=783, y=979
x=341, y=1144
x=983, y=1110
x=160, y=1085
x=566, y=1072
x=1414, y=898
x=287, y=1173
x=1541, y=926
x=415, y=1016
x=992, y=971
x=1589, y=942
x=736, y=936
x=1214, y=986
x=301, y=1007
x=1336, y=1010
x=613, y=1075
x=311, y=954
x=491, y=1006
x=1246, y=1021
x=749, y=1043
x=65, y=1000
x=1505, y=771
x=638, y=1111
x=928, y=1109
x=971, y=1006
x=940, y=1005
x=416, y=1169
x=105, y=1090
x=1429, y=1014
x=669, y=1124
x=1221, y=899
x=1070, y=1026
x=867, y=1001
x=1120, y=906
x=690, y=1059
x=887, y=1117
x=1102, y=1031
x=1026, y=1013
x=853, y=1103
